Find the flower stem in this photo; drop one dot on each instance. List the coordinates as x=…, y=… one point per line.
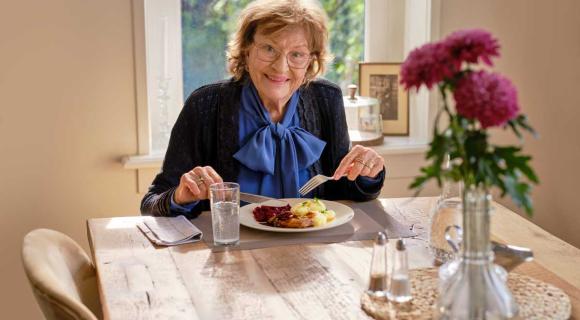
x=457, y=137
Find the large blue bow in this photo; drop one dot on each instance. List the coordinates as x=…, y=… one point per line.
x=295, y=148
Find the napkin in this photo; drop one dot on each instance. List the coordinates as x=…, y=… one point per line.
x=170, y=231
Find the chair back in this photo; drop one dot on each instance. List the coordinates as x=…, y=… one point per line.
x=62, y=276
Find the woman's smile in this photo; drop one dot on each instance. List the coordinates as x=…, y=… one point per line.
x=278, y=80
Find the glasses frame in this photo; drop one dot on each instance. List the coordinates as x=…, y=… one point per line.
x=279, y=53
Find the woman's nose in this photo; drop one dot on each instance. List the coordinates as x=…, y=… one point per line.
x=281, y=63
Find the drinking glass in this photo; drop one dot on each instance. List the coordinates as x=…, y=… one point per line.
x=446, y=213
x=225, y=213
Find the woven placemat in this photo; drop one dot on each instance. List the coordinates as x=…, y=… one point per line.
x=536, y=299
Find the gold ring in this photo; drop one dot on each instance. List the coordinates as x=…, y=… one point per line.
x=364, y=164
x=359, y=160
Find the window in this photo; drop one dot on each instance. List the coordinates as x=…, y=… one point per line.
x=183, y=43
x=207, y=25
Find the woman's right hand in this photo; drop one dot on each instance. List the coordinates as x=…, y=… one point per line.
x=194, y=185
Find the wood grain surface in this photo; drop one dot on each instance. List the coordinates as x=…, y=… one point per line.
x=324, y=281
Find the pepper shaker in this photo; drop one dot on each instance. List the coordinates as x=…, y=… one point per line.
x=400, y=285
x=378, y=276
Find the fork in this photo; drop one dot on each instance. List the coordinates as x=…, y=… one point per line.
x=313, y=183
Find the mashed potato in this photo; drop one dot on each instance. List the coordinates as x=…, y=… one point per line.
x=315, y=210
x=318, y=218
x=302, y=208
x=330, y=215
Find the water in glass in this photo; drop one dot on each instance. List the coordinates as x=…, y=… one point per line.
x=226, y=223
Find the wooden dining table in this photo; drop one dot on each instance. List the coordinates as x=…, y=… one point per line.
x=138, y=280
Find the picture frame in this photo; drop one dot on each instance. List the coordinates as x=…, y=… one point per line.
x=381, y=81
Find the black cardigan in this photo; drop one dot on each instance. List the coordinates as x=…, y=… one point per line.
x=206, y=134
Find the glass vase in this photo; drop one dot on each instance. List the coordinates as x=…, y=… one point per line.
x=476, y=290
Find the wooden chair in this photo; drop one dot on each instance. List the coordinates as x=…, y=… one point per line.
x=61, y=275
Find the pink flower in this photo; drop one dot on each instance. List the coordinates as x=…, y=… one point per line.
x=487, y=97
x=426, y=65
x=471, y=46
x=438, y=61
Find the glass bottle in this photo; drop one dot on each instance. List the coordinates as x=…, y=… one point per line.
x=399, y=284
x=378, y=276
x=445, y=214
x=476, y=291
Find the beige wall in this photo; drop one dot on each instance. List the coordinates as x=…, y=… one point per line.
x=541, y=54
x=67, y=114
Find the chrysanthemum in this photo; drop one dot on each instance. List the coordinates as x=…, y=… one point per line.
x=487, y=97
x=471, y=46
x=426, y=65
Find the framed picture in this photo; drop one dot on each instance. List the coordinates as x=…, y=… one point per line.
x=381, y=81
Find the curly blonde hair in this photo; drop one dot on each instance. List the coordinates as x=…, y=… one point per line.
x=273, y=16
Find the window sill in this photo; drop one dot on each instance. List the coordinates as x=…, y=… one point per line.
x=391, y=145
x=148, y=161
x=401, y=145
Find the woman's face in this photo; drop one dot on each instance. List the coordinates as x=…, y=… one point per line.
x=275, y=80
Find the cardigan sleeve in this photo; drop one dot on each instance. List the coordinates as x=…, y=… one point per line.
x=188, y=148
x=335, y=132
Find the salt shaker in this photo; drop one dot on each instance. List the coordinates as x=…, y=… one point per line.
x=378, y=277
x=400, y=285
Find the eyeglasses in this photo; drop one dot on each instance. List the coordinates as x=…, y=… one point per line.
x=296, y=59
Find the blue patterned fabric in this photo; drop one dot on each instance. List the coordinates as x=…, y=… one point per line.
x=274, y=156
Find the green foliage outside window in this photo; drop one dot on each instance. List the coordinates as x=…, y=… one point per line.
x=208, y=24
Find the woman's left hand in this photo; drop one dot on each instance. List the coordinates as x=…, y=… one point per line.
x=360, y=161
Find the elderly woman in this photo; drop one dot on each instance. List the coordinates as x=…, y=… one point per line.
x=272, y=126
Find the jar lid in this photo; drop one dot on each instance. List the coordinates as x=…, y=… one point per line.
x=359, y=102
x=354, y=101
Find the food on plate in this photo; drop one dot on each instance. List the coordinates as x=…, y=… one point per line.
x=305, y=214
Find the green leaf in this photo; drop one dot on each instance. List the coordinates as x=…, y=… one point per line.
x=519, y=193
x=418, y=182
x=475, y=144
x=528, y=171
x=515, y=161
x=522, y=121
x=513, y=125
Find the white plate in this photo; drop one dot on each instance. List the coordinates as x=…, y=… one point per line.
x=343, y=215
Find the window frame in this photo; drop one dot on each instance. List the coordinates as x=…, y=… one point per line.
x=422, y=103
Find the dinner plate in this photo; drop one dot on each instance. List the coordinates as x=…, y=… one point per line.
x=343, y=215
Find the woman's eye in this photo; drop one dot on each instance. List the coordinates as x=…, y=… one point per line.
x=269, y=48
x=298, y=55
